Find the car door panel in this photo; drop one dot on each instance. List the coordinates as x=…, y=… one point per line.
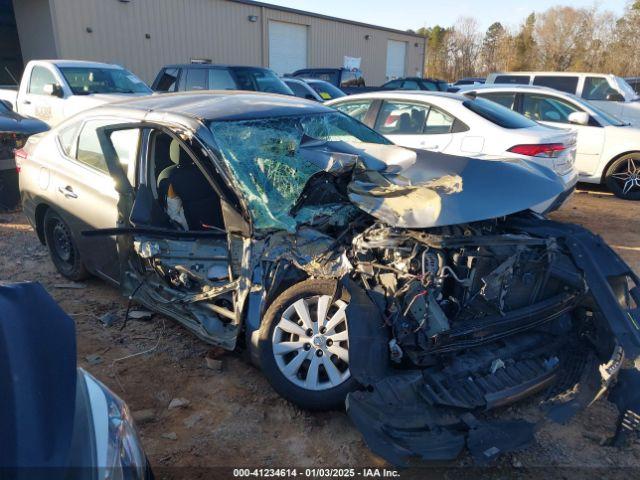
x=35, y=102
x=554, y=111
x=87, y=200
x=185, y=274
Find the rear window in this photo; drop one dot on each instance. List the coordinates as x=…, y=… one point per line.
x=299, y=90
x=260, y=80
x=330, y=76
x=515, y=79
x=506, y=99
x=562, y=83
x=498, y=114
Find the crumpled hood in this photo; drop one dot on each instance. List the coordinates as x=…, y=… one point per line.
x=420, y=189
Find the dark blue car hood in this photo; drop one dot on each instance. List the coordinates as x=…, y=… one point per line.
x=37, y=378
x=13, y=122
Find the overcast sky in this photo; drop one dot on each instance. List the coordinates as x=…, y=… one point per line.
x=404, y=14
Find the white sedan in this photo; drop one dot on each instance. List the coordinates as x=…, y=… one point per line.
x=457, y=125
x=608, y=149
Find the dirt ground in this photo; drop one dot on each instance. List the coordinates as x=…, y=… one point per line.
x=233, y=418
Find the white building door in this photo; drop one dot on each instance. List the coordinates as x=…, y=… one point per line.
x=287, y=47
x=396, y=53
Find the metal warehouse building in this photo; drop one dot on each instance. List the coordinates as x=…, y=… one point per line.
x=144, y=35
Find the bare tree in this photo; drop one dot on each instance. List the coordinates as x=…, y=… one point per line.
x=558, y=39
x=559, y=33
x=464, y=47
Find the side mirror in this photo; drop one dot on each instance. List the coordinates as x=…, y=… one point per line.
x=579, y=118
x=53, y=89
x=7, y=104
x=308, y=96
x=615, y=97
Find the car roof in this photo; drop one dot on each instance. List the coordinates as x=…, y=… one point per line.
x=556, y=74
x=314, y=80
x=324, y=69
x=221, y=105
x=209, y=65
x=79, y=64
x=510, y=86
x=421, y=79
x=405, y=94
x=294, y=80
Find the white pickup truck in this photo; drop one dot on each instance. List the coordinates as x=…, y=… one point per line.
x=53, y=90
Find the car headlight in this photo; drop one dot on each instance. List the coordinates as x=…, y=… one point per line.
x=119, y=453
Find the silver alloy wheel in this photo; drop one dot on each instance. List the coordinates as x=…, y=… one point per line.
x=311, y=343
x=629, y=177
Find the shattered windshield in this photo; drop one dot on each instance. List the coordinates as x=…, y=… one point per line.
x=265, y=157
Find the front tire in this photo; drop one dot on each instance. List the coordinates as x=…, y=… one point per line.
x=623, y=177
x=62, y=247
x=304, y=345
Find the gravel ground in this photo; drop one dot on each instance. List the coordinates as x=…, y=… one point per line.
x=233, y=418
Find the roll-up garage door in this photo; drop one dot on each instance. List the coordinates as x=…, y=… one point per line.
x=396, y=52
x=287, y=47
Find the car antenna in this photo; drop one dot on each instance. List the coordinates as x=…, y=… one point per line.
x=6, y=69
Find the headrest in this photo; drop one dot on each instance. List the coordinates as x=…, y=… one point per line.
x=179, y=155
x=174, y=151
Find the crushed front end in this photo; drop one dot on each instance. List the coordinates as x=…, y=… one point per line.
x=449, y=324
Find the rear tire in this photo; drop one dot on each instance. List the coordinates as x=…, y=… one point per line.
x=310, y=366
x=623, y=177
x=62, y=247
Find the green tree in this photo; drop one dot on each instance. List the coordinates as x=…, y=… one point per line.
x=492, y=46
x=525, y=45
x=435, y=64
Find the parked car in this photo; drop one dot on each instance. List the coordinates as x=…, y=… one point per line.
x=457, y=125
x=470, y=81
x=466, y=81
x=205, y=76
x=343, y=78
x=607, y=92
x=313, y=89
x=301, y=89
x=416, y=83
x=52, y=90
x=58, y=421
x=341, y=262
x=634, y=82
x=608, y=149
x=14, y=131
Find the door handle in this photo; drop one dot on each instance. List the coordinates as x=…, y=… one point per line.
x=68, y=192
x=26, y=102
x=428, y=147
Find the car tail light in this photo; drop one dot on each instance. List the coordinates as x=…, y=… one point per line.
x=548, y=150
x=20, y=155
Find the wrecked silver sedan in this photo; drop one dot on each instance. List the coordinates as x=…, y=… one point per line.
x=414, y=286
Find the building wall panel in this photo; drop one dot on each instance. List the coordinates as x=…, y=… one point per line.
x=35, y=29
x=219, y=30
